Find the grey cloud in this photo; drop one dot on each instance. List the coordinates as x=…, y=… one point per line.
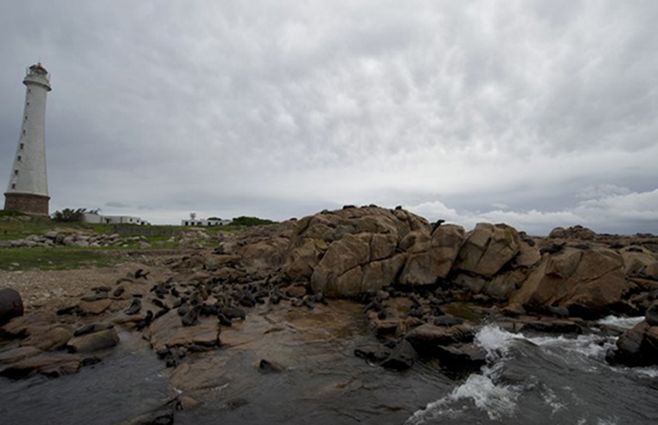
x=623, y=213
x=276, y=108
x=115, y=204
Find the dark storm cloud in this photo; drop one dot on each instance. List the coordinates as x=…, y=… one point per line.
x=497, y=109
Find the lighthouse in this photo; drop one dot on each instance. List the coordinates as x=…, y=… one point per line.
x=27, y=191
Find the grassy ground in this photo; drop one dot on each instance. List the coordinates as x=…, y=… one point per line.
x=55, y=258
x=15, y=226
x=19, y=227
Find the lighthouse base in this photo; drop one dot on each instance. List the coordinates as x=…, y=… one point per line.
x=27, y=203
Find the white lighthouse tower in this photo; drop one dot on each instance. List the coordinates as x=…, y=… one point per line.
x=28, y=183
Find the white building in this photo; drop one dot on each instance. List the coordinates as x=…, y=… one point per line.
x=112, y=219
x=209, y=222
x=28, y=183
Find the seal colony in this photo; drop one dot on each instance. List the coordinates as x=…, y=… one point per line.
x=423, y=288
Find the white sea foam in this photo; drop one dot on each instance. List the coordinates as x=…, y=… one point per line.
x=621, y=322
x=646, y=372
x=495, y=340
x=496, y=400
x=651, y=372
x=593, y=346
x=551, y=399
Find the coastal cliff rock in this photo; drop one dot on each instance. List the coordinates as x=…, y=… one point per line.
x=488, y=248
x=586, y=282
x=575, y=232
x=639, y=262
x=355, y=250
x=358, y=250
x=436, y=260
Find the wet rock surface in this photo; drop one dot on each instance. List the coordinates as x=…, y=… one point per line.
x=48, y=364
x=93, y=341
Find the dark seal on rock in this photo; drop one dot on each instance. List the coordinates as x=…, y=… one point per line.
x=135, y=307
x=267, y=366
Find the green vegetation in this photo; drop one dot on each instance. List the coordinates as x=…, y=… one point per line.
x=10, y=213
x=68, y=215
x=250, y=221
x=20, y=226
x=15, y=226
x=55, y=259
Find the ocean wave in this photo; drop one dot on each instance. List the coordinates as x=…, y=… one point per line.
x=621, y=322
x=489, y=392
x=497, y=400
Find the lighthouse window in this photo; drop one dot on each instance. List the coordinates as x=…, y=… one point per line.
x=15, y=172
x=18, y=157
x=22, y=144
x=23, y=132
x=13, y=185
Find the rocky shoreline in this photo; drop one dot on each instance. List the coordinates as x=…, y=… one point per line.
x=424, y=288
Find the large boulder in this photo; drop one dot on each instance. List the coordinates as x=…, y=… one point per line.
x=637, y=346
x=352, y=251
x=11, y=305
x=488, y=248
x=433, y=258
x=380, y=273
x=94, y=341
x=302, y=260
x=586, y=282
x=340, y=270
x=575, y=232
x=504, y=284
x=637, y=260
x=348, y=252
x=528, y=256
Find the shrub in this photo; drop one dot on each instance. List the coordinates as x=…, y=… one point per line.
x=69, y=215
x=250, y=221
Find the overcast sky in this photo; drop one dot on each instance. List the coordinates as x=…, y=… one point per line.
x=534, y=113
